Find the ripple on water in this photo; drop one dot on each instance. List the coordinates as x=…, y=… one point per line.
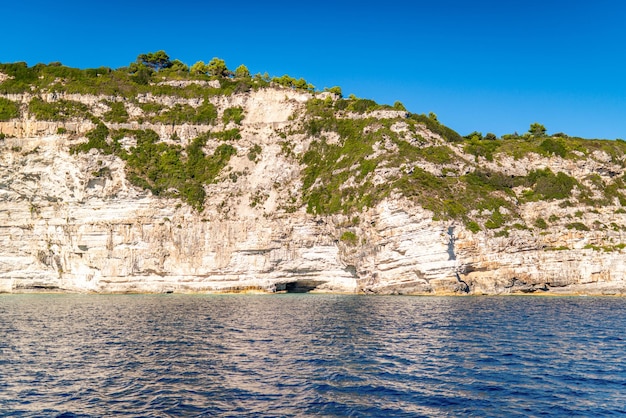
x=310, y=355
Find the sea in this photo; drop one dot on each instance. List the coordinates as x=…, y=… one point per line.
x=311, y=355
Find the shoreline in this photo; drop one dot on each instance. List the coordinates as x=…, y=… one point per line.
x=360, y=294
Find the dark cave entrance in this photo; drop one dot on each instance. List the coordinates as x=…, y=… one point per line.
x=303, y=286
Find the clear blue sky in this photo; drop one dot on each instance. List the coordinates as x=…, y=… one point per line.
x=487, y=65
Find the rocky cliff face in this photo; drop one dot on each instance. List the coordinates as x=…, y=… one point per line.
x=73, y=221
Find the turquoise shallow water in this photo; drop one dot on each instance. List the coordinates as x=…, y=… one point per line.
x=311, y=355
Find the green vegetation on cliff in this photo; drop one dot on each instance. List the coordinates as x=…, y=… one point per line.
x=149, y=74
x=358, y=152
x=340, y=176
x=164, y=169
x=8, y=109
x=60, y=110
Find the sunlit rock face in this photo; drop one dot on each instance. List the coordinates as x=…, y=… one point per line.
x=73, y=221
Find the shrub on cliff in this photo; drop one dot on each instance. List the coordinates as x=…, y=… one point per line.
x=234, y=114
x=436, y=127
x=8, y=109
x=548, y=186
x=479, y=147
x=205, y=114
x=349, y=238
x=97, y=138
x=20, y=77
x=362, y=105
x=140, y=74
x=552, y=146
x=59, y=110
x=117, y=113
x=578, y=226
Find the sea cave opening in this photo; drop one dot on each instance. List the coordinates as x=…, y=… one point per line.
x=303, y=286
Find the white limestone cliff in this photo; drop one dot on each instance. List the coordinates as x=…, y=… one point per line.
x=62, y=228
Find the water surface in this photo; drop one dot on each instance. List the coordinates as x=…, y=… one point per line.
x=311, y=355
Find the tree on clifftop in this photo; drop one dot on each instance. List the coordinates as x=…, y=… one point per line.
x=198, y=68
x=242, y=72
x=217, y=67
x=178, y=65
x=537, y=129
x=155, y=60
x=335, y=90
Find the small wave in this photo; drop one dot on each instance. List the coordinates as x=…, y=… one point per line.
x=311, y=356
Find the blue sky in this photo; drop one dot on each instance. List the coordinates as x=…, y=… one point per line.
x=487, y=65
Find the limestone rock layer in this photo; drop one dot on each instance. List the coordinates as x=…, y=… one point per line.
x=64, y=226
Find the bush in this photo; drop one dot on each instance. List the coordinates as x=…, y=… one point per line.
x=254, y=152
x=548, y=186
x=176, y=115
x=437, y=154
x=551, y=146
x=436, y=127
x=205, y=114
x=495, y=221
x=579, y=226
x=117, y=114
x=229, y=135
x=234, y=114
x=8, y=109
x=473, y=226
x=493, y=180
x=362, y=105
x=142, y=76
x=97, y=138
x=399, y=106
x=61, y=110
x=482, y=147
x=21, y=78
x=349, y=237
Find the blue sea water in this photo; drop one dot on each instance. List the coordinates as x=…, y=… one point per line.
x=311, y=355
